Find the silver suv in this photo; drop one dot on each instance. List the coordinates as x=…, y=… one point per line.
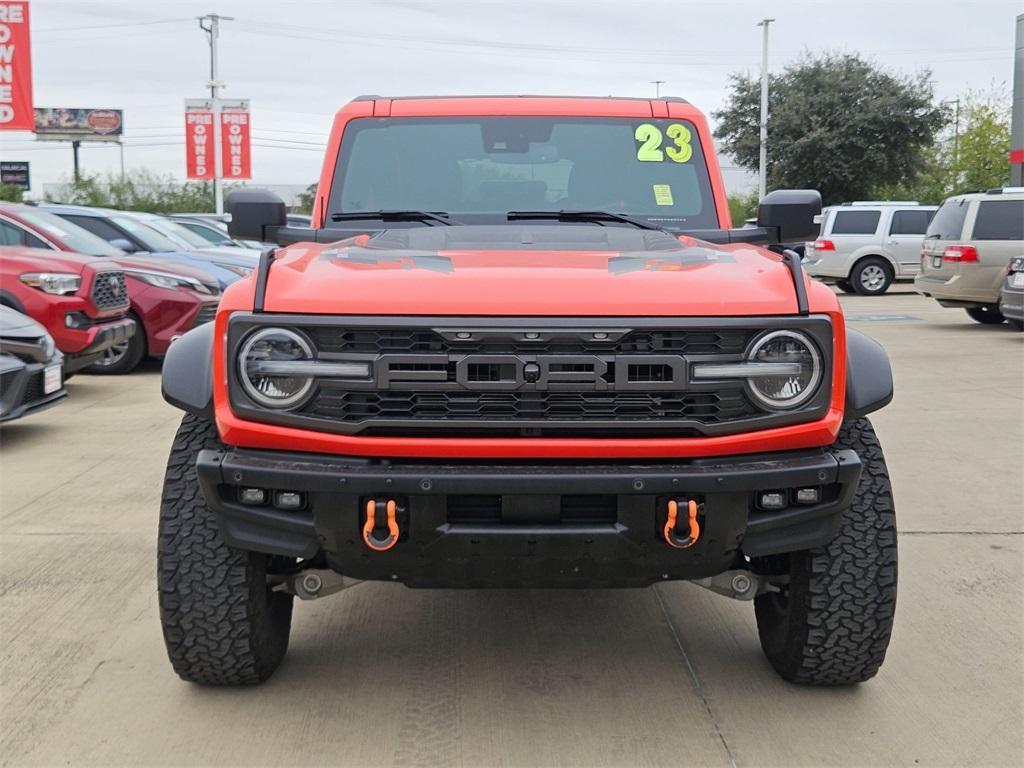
x=865, y=246
x=967, y=248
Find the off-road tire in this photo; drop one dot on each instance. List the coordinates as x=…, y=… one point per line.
x=871, y=266
x=221, y=622
x=831, y=624
x=987, y=314
x=845, y=286
x=134, y=354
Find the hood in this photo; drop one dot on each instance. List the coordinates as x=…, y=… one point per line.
x=155, y=264
x=14, y=325
x=544, y=270
x=234, y=254
x=18, y=260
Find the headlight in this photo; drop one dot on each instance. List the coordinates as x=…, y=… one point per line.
x=240, y=271
x=58, y=283
x=49, y=347
x=797, y=369
x=782, y=369
x=166, y=280
x=256, y=359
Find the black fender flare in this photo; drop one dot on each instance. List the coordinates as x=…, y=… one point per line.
x=868, y=375
x=187, y=378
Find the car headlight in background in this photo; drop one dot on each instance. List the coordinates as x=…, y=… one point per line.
x=166, y=280
x=278, y=368
x=57, y=283
x=240, y=271
x=782, y=369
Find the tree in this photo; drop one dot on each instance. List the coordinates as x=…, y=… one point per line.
x=975, y=158
x=836, y=123
x=142, y=190
x=304, y=200
x=11, y=193
x=742, y=207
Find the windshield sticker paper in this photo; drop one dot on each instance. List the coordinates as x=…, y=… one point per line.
x=663, y=194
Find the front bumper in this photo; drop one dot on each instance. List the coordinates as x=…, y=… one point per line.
x=107, y=335
x=21, y=387
x=556, y=524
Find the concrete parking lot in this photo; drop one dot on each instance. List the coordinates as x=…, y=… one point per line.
x=384, y=675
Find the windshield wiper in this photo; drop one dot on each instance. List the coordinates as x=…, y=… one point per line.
x=594, y=216
x=439, y=216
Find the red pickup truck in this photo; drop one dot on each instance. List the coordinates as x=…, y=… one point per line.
x=522, y=345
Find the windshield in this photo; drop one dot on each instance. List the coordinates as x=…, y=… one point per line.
x=176, y=232
x=149, y=237
x=653, y=169
x=70, y=235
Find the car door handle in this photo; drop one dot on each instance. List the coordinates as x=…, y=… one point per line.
x=890, y=241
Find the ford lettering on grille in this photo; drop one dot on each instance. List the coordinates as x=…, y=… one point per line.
x=576, y=373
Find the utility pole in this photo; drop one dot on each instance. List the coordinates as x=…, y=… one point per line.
x=657, y=87
x=210, y=24
x=762, y=165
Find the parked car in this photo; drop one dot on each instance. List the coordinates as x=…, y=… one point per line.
x=81, y=301
x=130, y=234
x=864, y=247
x=1011, y=302
x=167, y=297
x=31, y=376
x=214, y=232
x=189, y=240
x=967, y=247
x=441, y=403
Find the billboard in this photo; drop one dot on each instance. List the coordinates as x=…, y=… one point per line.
x=234, y=139
x=75, y=124
x=15, y=69
x=15, y=172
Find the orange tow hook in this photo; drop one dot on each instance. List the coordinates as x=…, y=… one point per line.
x=383, y=535
x=671, y=536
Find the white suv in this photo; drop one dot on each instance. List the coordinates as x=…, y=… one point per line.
x=864, y=246
x=967, y=249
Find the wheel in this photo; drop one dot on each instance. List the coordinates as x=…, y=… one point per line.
x=845, y=286
x=221, y=622
x=871, y=276
x=1017, y=325
x=987, y=314
x=830, y=625
x=123, y=357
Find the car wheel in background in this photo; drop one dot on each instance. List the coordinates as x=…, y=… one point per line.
x=845, y=286
x=871, y=276
x=124, y=357
x=987, y=314
x=1017, y=325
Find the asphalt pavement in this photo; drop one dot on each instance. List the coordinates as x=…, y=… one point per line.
x=381, y=675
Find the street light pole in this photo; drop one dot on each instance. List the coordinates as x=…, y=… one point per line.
x=212, y=30
x=762, y=165
x=657, y=87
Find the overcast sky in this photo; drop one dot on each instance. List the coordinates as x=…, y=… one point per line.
x=299, y=62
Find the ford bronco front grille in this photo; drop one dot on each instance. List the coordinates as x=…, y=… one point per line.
x=109, y=290
x=529, y=377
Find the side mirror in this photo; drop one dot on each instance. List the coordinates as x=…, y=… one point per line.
x=791, y=213
x=253, y=213
x=125, y=245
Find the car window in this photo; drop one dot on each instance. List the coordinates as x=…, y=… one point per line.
x=855, y=222
x=999, y=220
x=172, y=230
x=149, y=237
x=11, y=234
x=211, y=236
x=97, y=226
x=910, y=222
x=70, y=235
x=948, y=221
x=492, y=165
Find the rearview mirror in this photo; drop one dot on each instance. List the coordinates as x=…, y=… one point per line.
x=791, y=213
x=254, y=212
x=123, y=244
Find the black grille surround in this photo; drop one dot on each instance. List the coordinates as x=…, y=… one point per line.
x=109, y=290
x=206, y=314
x=660, y=400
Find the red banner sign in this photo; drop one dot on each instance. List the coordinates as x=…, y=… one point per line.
x=15, y=69
x=198, y=141
x=234, y=141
